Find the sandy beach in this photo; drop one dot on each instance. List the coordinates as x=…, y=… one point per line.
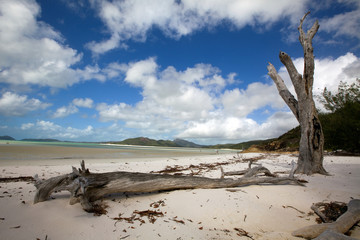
x=264, y=212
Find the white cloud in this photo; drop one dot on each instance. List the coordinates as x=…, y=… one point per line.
x=131, y=20
x=65, y=111
x=83, y=102
x=33, y=53
x=226, y=129
x=240, y=103
x=47, y=129
x=26, y=126
x=169, y=94
x=72, y=108
x=12, y=104
x=344, y=24
x=47, y=126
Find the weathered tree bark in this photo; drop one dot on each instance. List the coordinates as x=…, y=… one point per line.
x=328, y=230
x=311, y=148
x=86, y=187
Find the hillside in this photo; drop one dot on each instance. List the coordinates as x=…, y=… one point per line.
x=40, y=140
x=7, y=138
x=288, y=142
x=144, y=141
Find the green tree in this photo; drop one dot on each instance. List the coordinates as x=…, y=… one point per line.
x=342, y=126
x=346, y=94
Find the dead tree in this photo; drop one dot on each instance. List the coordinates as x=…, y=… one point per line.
x=311, y=147
x=86, y=187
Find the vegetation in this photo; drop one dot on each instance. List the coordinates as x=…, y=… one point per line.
x=40, y=140
x=143, y=141
x=346, y=94
x=240, y=146
x=342, y=125
x=7, y=138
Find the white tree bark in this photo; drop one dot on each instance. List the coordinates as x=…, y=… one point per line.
x=311, y=147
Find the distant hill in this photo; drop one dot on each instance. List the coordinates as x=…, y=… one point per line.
x=144, y=141
x=240, y=146
x=40, y=140
x=183, y=143
x=7, y=138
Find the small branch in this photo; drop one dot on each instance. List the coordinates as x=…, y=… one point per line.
x=83, y=170
x=256, y=170
x=222, y=172
x=301, y=31
x=293, y=169
x=316, y=209
x=294, y=209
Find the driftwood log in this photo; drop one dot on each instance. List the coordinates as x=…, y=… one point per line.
x=86, y=187
x=333, y=230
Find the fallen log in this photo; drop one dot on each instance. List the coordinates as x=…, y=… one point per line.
x=340, y=226
x=86, y=187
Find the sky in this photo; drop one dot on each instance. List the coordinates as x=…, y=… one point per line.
x=101, y=70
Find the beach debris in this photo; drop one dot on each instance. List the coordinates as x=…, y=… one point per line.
x=17, y=179
x=46, y=237
x=125, y=237
x=302, y=212
x=242, y=233
x=205, y=167
x=177, y=220
x=86, y=188
x=150, y=214
x=16, y=227
x=328, y=212
x=137, y=216
x=333, y=230
x=158, y=204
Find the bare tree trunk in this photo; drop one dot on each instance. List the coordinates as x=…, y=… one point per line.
x=311, y=147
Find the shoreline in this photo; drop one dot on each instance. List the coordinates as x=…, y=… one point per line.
x=18, y=154
x=264, y=211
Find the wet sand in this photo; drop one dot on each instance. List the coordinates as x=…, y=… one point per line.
x=19, y=154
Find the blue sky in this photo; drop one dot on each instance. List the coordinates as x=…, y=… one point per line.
x=96, y=70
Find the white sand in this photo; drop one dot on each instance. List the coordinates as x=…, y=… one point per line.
x=206, y=213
